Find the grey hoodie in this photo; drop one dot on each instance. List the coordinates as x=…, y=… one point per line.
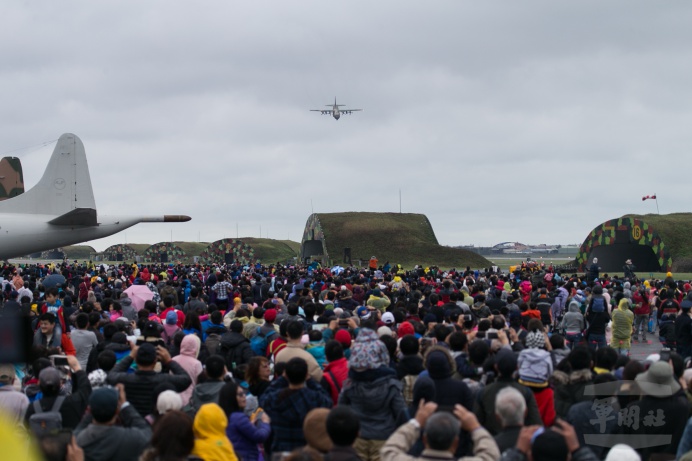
x=206, y=393
x=128, y=310
x=573, y=321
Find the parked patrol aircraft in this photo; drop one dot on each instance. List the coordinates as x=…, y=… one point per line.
x=335, y=111
x=60, y=210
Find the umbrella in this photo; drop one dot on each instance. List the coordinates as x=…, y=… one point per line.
x=139, y=294
x=53, y=280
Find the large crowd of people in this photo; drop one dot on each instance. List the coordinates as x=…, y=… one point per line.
x=307, y=363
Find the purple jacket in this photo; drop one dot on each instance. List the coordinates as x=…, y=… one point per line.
x=245, y=436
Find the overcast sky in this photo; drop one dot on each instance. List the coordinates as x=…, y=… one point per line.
x=528, y=121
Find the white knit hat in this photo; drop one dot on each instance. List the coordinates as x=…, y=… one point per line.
x=167, y=401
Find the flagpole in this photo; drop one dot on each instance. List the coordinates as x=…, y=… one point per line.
x=657, y=211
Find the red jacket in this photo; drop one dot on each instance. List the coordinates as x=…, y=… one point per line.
x=546, y=405
x=335, y=373
x=179, y=313
x=641, y=303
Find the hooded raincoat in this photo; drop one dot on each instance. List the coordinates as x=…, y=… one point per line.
x=189, y=349
x=573, y=321
x=622, y=325
x=211, y=442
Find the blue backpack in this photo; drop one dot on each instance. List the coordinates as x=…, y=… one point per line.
x=259, y=342
x=598, y=304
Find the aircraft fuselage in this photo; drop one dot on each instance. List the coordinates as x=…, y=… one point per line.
x=22, y=234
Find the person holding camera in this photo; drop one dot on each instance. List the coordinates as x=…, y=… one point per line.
x=140, y=385
x=559, y=443
x=440, y=436
x=71, y=407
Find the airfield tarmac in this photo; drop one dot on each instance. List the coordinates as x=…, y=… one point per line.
x=641, y=350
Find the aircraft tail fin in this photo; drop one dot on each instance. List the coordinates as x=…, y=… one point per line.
x=65, y=185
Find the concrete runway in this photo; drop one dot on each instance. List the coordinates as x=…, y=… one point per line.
x=641, y=350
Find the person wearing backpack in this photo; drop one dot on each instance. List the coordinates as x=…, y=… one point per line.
x=213, y=326
x=335, y=371
x=263, y=335
x=598, y=302
x=53, y=411
x=235, y=347
x=170, y=328
x=410, y=365
x=597, y=317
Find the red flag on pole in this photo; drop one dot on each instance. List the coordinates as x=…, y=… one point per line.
x=647, y=197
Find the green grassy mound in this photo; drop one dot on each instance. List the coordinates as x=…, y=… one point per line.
x=78, y=252
x=400, y=238
x=270, y=251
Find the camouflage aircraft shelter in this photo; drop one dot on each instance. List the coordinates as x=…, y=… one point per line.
x=654, y=243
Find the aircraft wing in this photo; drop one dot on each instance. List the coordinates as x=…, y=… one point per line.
x=348, y=111
x=324, y=112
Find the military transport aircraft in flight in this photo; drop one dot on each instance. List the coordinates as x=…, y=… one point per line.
x=335, y=111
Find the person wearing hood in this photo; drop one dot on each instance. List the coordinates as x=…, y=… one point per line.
x=479, y=309
x=623, y=319
x=99, y=436
x=211, y=442
x=378, y=301
x=127, y=308
x=189, y=350
x=573, y=324
x=371, y=380
x=441, y=367
x=535, y=368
